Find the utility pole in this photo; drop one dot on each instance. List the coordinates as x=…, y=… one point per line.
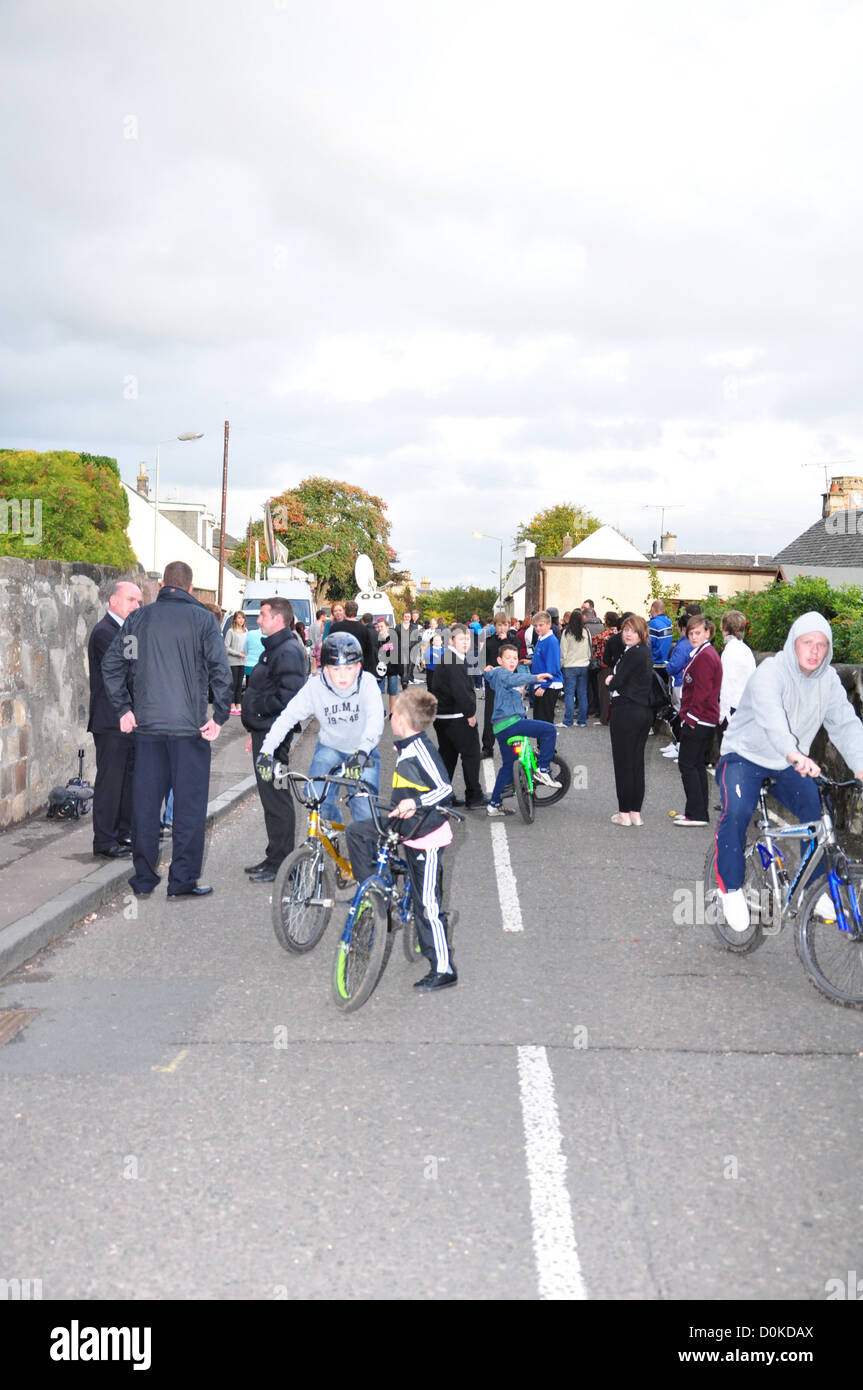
x=249, y=553
x=224, y=506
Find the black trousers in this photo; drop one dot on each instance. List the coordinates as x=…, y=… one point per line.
x=487, y=735
x=630, y=725
x=425, y=868
x=238, y=674
x=112, y=790
x=692, y=764
x=161, y=763
x=543, y=706
x=280, y=816
x=458, y=739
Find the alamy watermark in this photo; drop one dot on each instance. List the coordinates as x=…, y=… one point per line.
x=844, y=523
x=21, y=516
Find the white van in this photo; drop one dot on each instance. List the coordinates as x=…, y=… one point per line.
x=283, y=581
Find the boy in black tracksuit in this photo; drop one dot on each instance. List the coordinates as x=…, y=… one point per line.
x=455, y=724
x=419, y=780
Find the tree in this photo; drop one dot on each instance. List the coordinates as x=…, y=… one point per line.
x=63, y=506
x=547, y=529
x=323, y=511
x=669, y=593
x=456, y=605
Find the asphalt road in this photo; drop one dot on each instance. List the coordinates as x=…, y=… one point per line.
x=606, y=1106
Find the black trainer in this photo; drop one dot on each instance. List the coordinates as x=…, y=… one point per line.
x=257, y=868
x=434, y=980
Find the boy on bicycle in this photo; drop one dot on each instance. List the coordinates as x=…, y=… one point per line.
x=419, y=781
x=346, y=702
x=785, y=702
x=508, y=720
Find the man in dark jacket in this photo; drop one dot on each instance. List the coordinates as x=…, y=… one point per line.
x=455, y=724
x=115, y=751
x=281, y=671
x=156, y=677
x=364, y=635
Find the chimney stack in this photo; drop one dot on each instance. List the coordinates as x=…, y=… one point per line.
x=143, y=483
x=669, y=543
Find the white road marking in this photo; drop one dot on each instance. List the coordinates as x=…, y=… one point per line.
x=507, y=892
x=510, y=909
x=557, y=1264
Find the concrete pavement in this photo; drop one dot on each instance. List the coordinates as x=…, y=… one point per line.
x=50, y=878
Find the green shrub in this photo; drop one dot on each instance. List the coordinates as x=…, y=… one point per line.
x=772, y=612
x=83, y=508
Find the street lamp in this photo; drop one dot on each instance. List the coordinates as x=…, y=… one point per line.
x=159, y=442
x=484, y=536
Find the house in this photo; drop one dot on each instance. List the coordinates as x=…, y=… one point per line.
x=831, y=548
x=610, y=570
x=157, y=542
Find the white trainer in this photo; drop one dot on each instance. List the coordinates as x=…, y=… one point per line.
x=735, y=909
x=546, y=779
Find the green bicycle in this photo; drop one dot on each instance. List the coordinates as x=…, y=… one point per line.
x=529, y=792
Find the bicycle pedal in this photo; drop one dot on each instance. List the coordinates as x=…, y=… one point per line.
x=320, y=902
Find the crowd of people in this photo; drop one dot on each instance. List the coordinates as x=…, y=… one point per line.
x=156, y=670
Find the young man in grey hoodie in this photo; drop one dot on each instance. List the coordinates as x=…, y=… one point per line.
x=785, y=702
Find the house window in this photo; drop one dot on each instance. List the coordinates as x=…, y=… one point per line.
x=713, y=588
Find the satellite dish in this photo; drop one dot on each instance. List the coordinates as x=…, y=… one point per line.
x=364, y=573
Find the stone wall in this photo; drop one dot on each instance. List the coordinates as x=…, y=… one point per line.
x=47, y=611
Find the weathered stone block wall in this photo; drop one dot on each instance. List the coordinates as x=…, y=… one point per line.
x=47, y=611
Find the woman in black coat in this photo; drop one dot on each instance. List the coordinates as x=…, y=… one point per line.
x=630, y=685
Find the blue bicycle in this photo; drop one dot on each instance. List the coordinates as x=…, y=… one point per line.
x=829, y=942
x=382, y=903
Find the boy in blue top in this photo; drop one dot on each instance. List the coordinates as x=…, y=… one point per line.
x=661, y=633
x=508, y=719
x=545, y=668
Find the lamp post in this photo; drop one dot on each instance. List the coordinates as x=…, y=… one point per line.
x=484, y=536
x=159, y=443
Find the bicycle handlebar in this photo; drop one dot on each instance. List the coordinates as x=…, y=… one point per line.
x=359, y=788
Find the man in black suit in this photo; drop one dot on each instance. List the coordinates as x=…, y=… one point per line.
x=115, y=753
x=157, y=678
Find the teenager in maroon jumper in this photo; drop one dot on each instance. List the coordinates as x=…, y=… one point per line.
x=699, y=716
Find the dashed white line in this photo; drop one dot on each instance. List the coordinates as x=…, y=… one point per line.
x=507, y=892
x=557, y=1264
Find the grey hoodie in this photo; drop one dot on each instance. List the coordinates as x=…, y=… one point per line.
x=782, y=707
x=350, y=720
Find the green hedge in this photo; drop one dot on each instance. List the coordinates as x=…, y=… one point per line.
x=83, y=512
x=772, y=612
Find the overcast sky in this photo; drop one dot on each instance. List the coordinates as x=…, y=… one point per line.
x=476, y=257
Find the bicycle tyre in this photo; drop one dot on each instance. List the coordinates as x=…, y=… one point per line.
x=562, y=773
x=754, y=885
x=523, y=794
x=307, y=873
x=832, y=959
x=411, y=941
x=358, y=963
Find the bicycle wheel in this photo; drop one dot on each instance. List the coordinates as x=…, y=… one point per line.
x=832, y=958
x=303, y=898
x=359, y=960
x=759, y=896
x=561, y=772
x=523, y=794
x=411, y=941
